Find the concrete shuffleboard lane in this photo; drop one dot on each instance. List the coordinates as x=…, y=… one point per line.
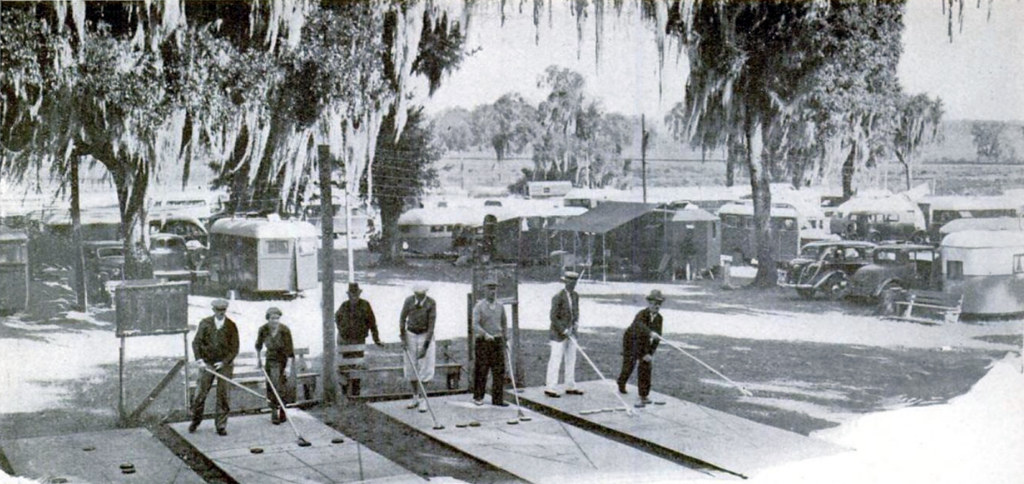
x=540, y=450
x=281, y=459
x=691, y=431
x=96, y=457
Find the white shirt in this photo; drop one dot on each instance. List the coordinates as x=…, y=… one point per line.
x=219, y=322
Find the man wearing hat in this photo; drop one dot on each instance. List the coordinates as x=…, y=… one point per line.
x=355, y=320
x=565, y=317
x=416, y=327
x=215, y=346
x=490, y=330
x=278, y=340
x=638, y=345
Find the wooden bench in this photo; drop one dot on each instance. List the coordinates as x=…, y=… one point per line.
x=247, y=374
x=930, y=307
x=451, y=370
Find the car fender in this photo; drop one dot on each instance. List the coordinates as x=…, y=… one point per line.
x=891, y=280
x=824, y=277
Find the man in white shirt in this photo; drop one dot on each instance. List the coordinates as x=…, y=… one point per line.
x=565, y=317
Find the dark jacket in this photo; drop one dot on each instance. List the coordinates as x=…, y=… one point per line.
x=418, y=319
x=354, y=323
x=212, y=345
x=637, y=340
x=562, y=317
x=279, y=347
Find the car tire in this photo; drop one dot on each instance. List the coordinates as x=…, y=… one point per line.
x=837, y=286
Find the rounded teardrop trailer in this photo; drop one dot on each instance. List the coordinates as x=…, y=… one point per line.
x=263, y=255
x=987, y=267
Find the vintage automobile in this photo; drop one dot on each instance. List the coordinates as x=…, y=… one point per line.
x=104, y=263
x=825, y=267
x=894, y=269
x=170, y=256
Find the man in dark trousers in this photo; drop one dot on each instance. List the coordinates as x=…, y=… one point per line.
x=490, y=330
x=565, y=321
x=215, y=347
x=416, y=327
x=638, y=345
x=355, y=320
x=278, y=340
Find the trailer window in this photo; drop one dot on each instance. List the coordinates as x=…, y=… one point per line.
x=954, y=269
x=1018, y=263
x=436, y=228
x=277, y=247
x=892, y=217
x=12, y=254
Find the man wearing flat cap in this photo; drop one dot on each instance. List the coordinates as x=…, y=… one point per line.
x=490, y=330
x=565, y=319
x=215, y=346
x=416, y=327
x=355, y=320
x=278, y=340
x=638, y=345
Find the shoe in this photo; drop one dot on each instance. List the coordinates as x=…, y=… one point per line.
x=500, y=404
x=192, y=427
x=622, y=389
x=423, y=407
x=552, y=394
x=222, y=432
x=574, y=391
x=414, y=404
x=640, y=404
x=283, y=417
x=645, y=400
x=478, y=402
x=275, y=420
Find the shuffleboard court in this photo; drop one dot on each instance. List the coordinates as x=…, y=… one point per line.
x=281, y=459
x=540, y=450
x=691, y=431
x=124, y=455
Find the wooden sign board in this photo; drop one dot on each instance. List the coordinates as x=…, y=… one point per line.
x=507, y=276
x=150, y=307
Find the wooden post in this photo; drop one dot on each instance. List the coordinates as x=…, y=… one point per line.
x=120, y=384
x=184, y=369
x=470, y=343
x=328, y=369
x=643, y=154
x=517, y=352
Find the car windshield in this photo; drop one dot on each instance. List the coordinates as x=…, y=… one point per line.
x=811, y=251
x=887, y=256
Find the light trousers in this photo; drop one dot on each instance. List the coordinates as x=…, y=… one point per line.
x=562, y=352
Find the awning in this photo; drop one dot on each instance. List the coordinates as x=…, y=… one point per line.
x=605, y=217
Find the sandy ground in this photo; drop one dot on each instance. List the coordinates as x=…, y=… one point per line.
x=918, y=403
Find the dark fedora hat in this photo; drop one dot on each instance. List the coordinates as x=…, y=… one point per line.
x=655, y=295
x=353, y=288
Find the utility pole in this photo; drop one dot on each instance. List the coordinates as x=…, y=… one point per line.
x=328, y=370
x=643, y=154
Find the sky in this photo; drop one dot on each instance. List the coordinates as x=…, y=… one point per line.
x=978, y=75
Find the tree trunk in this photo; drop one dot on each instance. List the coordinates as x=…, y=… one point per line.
x=847, y=173
x=760, y=189
x=906, y=168
x=81, y=290
x=137, y=264
x=734, y=152
x=391, y=243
